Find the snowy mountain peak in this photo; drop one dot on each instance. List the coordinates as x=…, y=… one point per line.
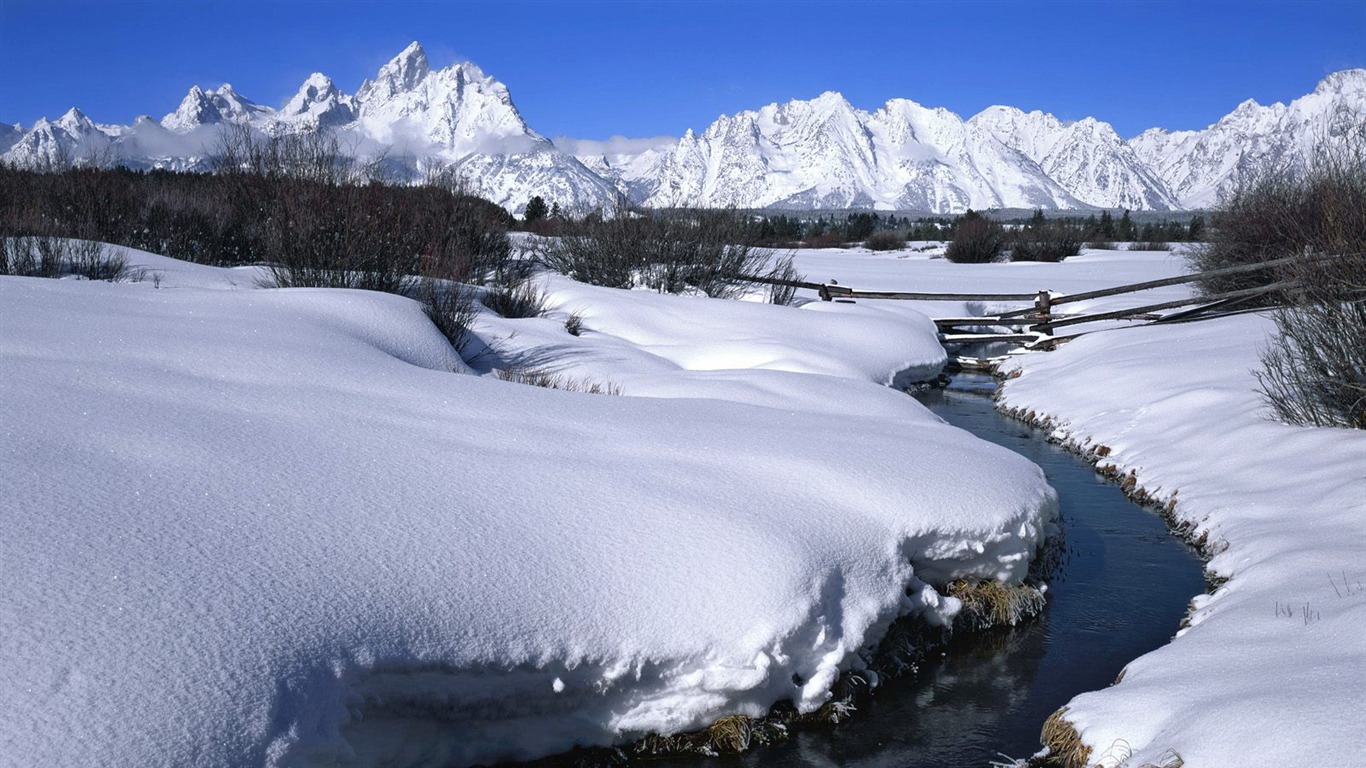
x=75, y=122
x=1346, y=81
x=209, y=107
x=404, y=73
x=318, y=103
x=819, y=153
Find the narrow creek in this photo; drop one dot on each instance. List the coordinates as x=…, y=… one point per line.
x=1120, y=591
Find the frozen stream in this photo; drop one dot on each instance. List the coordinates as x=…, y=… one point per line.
x=1120, y=592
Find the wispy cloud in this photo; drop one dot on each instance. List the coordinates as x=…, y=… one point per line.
x=616, y=145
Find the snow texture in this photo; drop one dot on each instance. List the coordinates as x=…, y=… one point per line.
x=289, y=527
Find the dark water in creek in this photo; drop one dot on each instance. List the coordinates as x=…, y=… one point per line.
x=1120, y=592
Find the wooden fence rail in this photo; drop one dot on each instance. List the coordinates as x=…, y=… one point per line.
x=1040, y=311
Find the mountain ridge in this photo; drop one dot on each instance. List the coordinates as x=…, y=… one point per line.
x=819, y=153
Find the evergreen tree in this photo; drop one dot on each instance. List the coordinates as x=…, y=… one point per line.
x=536, y=209
x=1196, y=231
x=1107, y=225
x=1126, y=230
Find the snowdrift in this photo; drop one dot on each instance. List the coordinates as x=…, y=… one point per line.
x=287, y=527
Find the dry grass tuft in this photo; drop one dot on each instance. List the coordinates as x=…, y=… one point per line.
x=1065, y=748
x=1168, y=759
x=540, y=378
x=728, y=736
x=990, y=603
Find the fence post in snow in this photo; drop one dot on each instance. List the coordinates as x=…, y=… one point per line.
x=1043, y=305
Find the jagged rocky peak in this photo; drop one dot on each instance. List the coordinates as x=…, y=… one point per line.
x=215, y=105
x=403, y=73
x=317, y=88
x=319, y=103
x=75, y=122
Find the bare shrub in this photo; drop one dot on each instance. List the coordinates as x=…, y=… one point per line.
x=785, y=276
x=1102, y=245
x=574, y=324
x=94, y=261
x=885, y=240
x=1286, y=212
x=451, y=308
x=1152, y=246
x=520, y=297
x=47, y=256
x=976, y=240
x=1314, y=370
x=1046, y=241
x=713, y=252
x=28, y=256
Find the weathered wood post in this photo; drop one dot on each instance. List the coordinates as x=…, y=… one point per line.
x=1043, y=306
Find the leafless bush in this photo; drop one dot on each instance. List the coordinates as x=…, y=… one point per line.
x=885, y=240
x=1046, y=241
x=1102, y=245
x=519, y=297
x=1152, y=246
x=785, y=272
x=670, y=251
x=95, y=261
x=451, y=308
x=29, y=256
x=47, y=256
x=1286, y=212
x=976, y=240
x=1314, y=370
x=316, y=156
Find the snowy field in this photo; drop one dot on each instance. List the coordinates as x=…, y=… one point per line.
x=292, y=527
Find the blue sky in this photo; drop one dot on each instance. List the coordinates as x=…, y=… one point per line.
x=596, y=69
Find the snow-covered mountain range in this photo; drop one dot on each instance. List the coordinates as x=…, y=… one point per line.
x=822, y=153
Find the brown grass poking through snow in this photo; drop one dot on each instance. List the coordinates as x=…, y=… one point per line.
x=729, y=735
x=1065, y=749
x=989, y=603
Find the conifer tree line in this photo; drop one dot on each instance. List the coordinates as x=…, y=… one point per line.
x=830, y=230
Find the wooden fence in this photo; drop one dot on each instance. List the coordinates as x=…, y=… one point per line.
x=1036, y=323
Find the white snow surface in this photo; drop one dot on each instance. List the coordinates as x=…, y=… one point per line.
x=289, y=527
x=1272, y=670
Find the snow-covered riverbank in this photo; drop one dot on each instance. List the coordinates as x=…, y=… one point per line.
x=1272, y=670
x=289, y=527
x=285, y=527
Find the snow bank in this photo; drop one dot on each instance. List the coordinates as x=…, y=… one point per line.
x=280, y=527
x=1272, y=670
